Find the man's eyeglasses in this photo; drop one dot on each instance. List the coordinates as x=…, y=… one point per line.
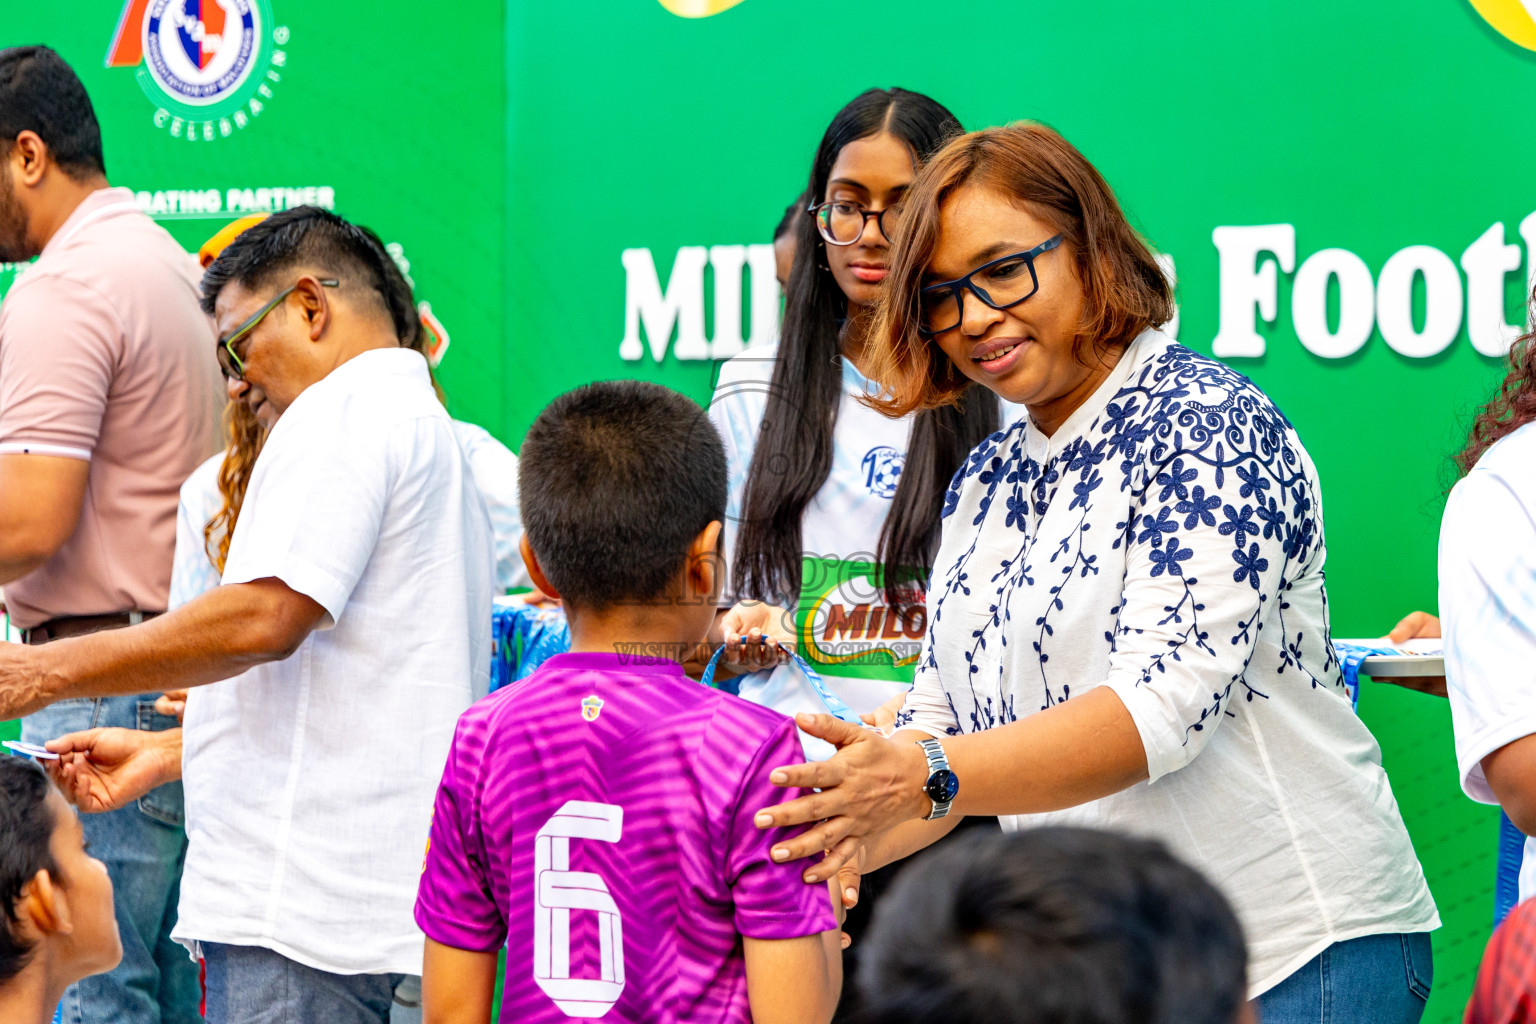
x=229, y=360
x=1003, y=283
x=842, y=223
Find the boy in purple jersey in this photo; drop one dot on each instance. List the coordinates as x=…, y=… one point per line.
x=596, y=817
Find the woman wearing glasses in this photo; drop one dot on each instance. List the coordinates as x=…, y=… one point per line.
x=1127, y=621
x=834, y=508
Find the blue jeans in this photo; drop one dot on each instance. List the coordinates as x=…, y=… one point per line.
x=143, y=847
x=253, y=985
x=1378, y=979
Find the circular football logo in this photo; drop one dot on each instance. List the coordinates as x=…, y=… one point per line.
x=201, y=53
x=882, y=470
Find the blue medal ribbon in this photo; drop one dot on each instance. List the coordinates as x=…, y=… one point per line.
x=833, y=703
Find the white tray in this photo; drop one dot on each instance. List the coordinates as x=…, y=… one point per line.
x=1419, y=658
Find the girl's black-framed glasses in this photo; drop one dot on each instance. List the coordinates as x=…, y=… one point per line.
x=1002, y=283
x=842, y=223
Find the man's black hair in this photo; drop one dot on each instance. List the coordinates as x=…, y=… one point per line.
x=1053, y=926
x=397, y=294
x=41, y=93
x=307, y=236
x=26, y=827
x=787, y=222
x=615, y=480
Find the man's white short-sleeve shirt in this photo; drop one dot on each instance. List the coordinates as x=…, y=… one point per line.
x=310, y=781
x=1488, y=612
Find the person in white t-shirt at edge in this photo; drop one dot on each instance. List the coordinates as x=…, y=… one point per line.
x=838, y=520
x=1488, y=604
x=310, y=777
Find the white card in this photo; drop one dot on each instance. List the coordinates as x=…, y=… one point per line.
x=31, y=750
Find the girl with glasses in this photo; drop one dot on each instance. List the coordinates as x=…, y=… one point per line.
x=1127, y=620
x=833, y=507
x=824, y=489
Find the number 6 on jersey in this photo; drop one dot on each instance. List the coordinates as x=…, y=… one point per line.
x=557, y=891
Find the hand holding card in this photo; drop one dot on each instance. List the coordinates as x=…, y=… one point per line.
x=104, y=769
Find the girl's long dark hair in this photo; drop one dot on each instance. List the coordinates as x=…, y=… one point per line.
x=1512, y=407
x=794, y=444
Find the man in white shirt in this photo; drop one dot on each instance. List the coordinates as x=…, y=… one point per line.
x=354, y=612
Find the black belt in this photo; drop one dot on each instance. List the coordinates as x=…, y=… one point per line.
x=79, y=625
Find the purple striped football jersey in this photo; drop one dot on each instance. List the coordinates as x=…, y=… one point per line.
x=596, y=819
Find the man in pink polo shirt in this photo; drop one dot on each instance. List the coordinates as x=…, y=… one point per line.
x=109, y=398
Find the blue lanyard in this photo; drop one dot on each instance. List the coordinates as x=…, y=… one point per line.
x=1351, y=657
x=833, y=703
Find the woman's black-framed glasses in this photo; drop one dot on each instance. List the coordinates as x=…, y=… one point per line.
x=842, y=223
x=229, y=360
x=1003, y=283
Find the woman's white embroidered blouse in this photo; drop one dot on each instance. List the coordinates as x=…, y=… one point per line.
x=1167, y=542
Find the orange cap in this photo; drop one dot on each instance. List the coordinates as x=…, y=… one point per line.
x=215, y=245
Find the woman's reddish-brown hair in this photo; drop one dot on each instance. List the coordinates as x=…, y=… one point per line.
x=246, y=437
x=1124, y=289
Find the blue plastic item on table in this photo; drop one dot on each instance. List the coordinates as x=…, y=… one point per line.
x=1351, y=657
x=1387, y=661
x=523, y=637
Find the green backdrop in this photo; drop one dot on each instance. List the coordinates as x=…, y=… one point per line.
x=516, y=153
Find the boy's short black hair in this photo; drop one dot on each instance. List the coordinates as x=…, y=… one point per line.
x=307, y=236
x=26, y=828
x=39, y=92
x=615, y=480
x=1060, y=925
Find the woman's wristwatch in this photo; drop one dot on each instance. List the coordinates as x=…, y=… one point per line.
x=942, y=785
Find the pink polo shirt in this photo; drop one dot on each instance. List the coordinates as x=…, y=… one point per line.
x=105, y=356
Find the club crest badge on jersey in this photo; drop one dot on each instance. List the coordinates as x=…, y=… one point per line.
x=591, y=707
x=209, y=66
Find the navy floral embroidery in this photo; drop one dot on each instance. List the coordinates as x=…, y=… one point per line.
x=1193, y=493
x=1169, y=558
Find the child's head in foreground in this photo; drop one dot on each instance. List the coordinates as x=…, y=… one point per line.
x=1065, y=925
x=622, y=488
x=57, y=899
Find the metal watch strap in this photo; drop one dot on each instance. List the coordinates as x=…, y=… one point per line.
x=937, y=762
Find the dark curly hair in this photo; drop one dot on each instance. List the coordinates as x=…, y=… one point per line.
x=1512, y=406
